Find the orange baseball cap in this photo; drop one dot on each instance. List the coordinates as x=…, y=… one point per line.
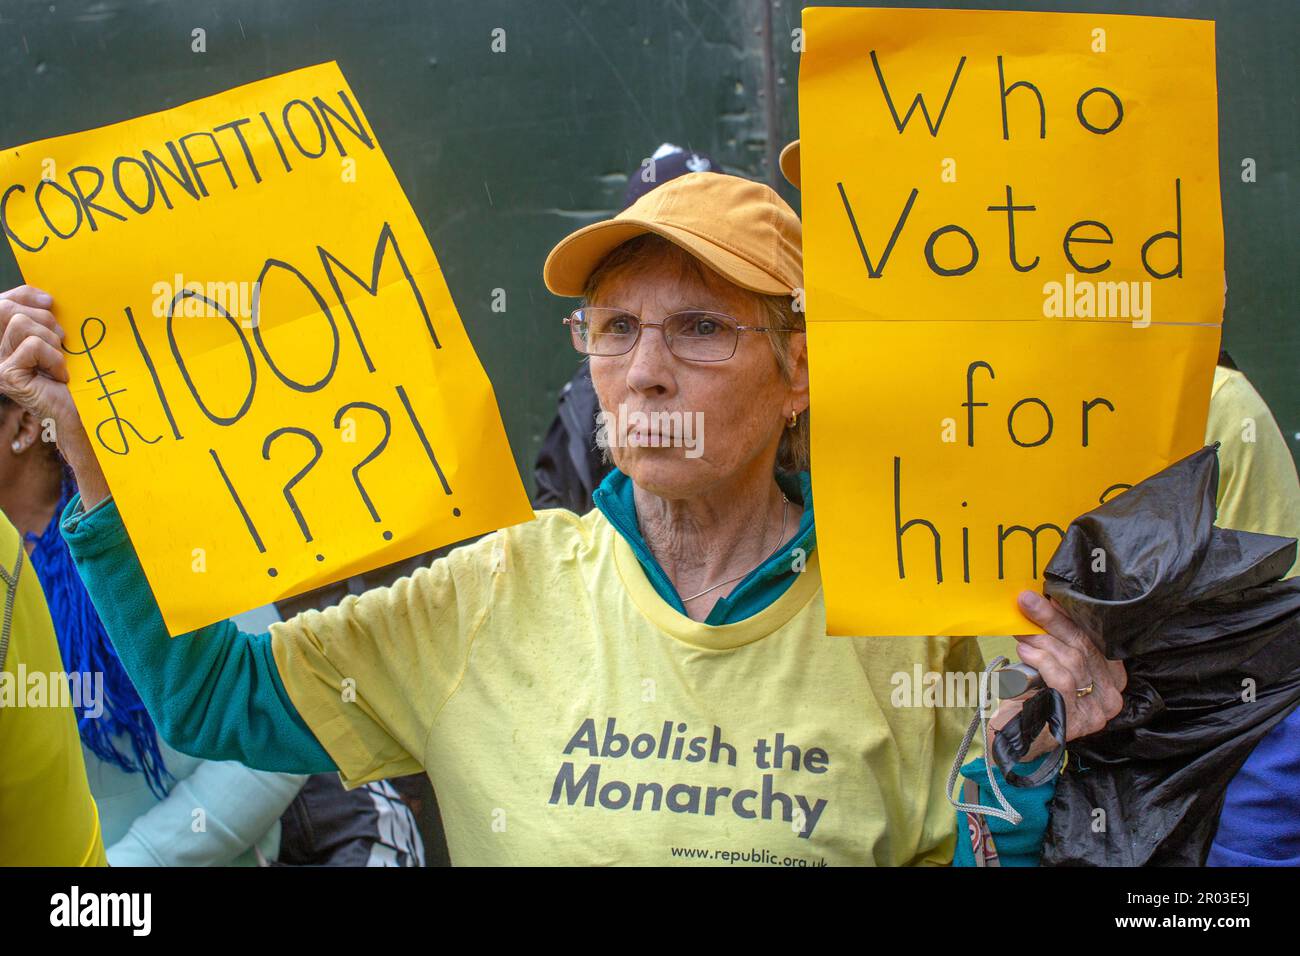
x=740, y=229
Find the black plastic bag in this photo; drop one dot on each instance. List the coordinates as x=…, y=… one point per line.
x=1210, y=638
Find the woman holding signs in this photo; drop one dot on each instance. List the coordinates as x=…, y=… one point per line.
x=650, y=683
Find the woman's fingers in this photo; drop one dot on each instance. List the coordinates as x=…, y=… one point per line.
x=1071, y=664
x=1053, y=619
x=33, y=373
x=11, y=307
x=35, y=376
x=33, y=366
x=1049, y=616
x=1042, y=657
x=22, y=326
x=29, y=296
x=1083, y=715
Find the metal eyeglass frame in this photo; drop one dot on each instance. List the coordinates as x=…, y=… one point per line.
x=572, y=320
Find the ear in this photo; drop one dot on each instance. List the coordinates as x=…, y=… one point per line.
x=22, y=428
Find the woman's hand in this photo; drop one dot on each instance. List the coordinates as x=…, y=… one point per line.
x=1070, y=663
x=34, y=373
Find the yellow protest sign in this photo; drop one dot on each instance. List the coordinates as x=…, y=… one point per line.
x=1014, y=289
x=261, y=343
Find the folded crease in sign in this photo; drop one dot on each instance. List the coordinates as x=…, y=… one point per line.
x=1210, y=637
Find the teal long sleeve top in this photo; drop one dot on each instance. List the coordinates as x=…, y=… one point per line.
x=216, y=692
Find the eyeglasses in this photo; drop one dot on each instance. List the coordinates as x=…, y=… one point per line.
x=693, y=335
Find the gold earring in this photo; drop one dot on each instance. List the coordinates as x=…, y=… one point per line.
x=794, y=419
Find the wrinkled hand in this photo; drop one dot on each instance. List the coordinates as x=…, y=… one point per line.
x=1068, y=662
x=33, y=371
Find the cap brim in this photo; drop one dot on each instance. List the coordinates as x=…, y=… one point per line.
x=789, y=163
x=576, y=256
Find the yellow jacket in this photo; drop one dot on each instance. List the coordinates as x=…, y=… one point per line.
x=47, y=816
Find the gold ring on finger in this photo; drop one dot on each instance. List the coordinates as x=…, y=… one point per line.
x=1085, y=691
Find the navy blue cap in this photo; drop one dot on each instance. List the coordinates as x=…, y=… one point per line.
x=669, y=162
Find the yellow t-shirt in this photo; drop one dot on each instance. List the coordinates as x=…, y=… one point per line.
x=1258, y=488
x=567, y=715
x=47, y=816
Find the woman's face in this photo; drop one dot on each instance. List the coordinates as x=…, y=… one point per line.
x=36, y=456
x=735, y=410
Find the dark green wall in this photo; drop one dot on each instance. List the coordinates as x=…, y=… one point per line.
x=503, y=153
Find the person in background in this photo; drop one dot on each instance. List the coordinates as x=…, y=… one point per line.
x=570, y=466
x=47, y=815
x=157, y=806
x=371, y=825
x=1258, y=486
x=1260, y=492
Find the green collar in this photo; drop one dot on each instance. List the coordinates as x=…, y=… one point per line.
x=760, y=588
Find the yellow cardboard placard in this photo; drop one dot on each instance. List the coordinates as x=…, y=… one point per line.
x=262, y=346
x=1013, y=254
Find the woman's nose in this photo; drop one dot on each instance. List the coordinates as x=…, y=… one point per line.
x=650, y=364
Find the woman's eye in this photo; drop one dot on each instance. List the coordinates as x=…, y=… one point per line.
x=703, y=325
x=621, y=326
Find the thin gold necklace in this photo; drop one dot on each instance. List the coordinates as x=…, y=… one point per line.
x=785, y=512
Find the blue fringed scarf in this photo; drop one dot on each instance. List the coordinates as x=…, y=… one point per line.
x=86, y=649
